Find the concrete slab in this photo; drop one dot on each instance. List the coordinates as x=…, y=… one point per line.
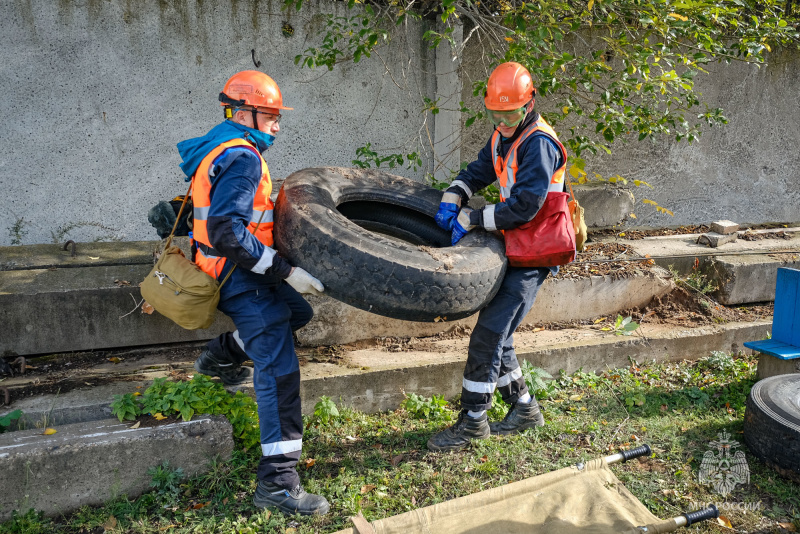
x=744, y=279
x=368, y=389
x=374, y=378
x=90, y=463
x=745, y=271
x=604, y=206
x=558, y=300
x=87, y=306
x=60, y=310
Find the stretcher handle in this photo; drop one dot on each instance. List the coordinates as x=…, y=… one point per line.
x=624, y=456
x=699, y=515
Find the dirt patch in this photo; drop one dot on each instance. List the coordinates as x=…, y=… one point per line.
x=605, y=259
x=641, y=234
x=690, y=309
x=63, y=372
x=747, y=235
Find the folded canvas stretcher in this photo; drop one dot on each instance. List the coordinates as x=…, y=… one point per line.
x=585, y=498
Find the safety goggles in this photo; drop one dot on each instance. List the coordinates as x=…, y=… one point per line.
x=510, y=118
x=270, y=117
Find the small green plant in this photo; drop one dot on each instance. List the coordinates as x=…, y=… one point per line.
x=499, y=407
x=200, y=395
x=424, y=407
x=125, y=407
x=7, y=420
x=700, y=282
x=622, y=326
x=165, y=480
x=17, y=230
x=718, y=361
x=325, y=411
x=540, y=382
x=634, y=399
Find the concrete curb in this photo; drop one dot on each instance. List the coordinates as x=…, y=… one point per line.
x=90, y=463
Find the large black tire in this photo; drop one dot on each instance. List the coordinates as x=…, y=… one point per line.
x=772, y=423
x=370, y=238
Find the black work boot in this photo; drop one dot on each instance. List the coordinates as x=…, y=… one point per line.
x=231, y=374
x=459, y=435
x=520, y=416
x=295, y=501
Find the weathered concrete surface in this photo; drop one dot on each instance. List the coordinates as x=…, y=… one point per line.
x=770, y=366
x=119, y=83
x=744, y=279
x=558, y=300
x=723, y=175
x=82, y=308
x=375, y=390
x=744, y=271
x=604, y=206
x=62, y=310
x=374, y=378
x=90, y=463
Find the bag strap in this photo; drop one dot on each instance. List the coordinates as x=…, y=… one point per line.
x=178, y=218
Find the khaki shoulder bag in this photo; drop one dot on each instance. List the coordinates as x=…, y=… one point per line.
x=178, y=289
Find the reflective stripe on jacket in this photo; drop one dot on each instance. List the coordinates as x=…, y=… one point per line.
x=506, y=168
x=205, y=258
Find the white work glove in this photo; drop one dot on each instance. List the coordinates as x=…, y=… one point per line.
x=304, y=283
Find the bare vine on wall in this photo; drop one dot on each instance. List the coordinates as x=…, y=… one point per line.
x=611, y=70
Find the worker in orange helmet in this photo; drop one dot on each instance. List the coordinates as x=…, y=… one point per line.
x=232, y=237
x=526, y=157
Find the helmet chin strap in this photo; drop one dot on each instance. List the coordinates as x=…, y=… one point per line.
x=255, y=118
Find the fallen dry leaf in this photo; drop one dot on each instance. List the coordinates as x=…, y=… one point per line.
x=367, y=488
x=310, y=462
x=484, y=458
x=115, y=359
x=723, y=521
x=413, y=501
x=122, y=282
x=147, y=308
x=225, y=500
x=110, y=523
x=159, y=417
x=137, y=424
x=290, y=530
x=575, y=397
x=166, y=528
x=788, y=527
x=49, y=431
x=94, y=257
x=396, y=459
x=137, y=393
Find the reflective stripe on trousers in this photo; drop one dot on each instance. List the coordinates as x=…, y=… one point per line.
x=491, y=361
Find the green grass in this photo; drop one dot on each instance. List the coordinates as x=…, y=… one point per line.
x=378, y=463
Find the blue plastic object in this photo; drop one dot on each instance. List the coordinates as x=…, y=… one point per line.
x=785, y=342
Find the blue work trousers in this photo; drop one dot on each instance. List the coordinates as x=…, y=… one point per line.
x=491, y=360
x=264, y=319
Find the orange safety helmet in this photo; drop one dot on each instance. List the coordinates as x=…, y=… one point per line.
x=252, y=88
x=509, y=87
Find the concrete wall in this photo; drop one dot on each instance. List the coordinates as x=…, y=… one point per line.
x=747, y=171
x=96, y=94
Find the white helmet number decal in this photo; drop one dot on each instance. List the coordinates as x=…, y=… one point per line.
x=503, y=99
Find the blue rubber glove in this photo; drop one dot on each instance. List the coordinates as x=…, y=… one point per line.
x=448, y=210
x=461, y=226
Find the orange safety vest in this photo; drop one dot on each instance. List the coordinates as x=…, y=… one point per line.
x=201, y=197
x=506, y=169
